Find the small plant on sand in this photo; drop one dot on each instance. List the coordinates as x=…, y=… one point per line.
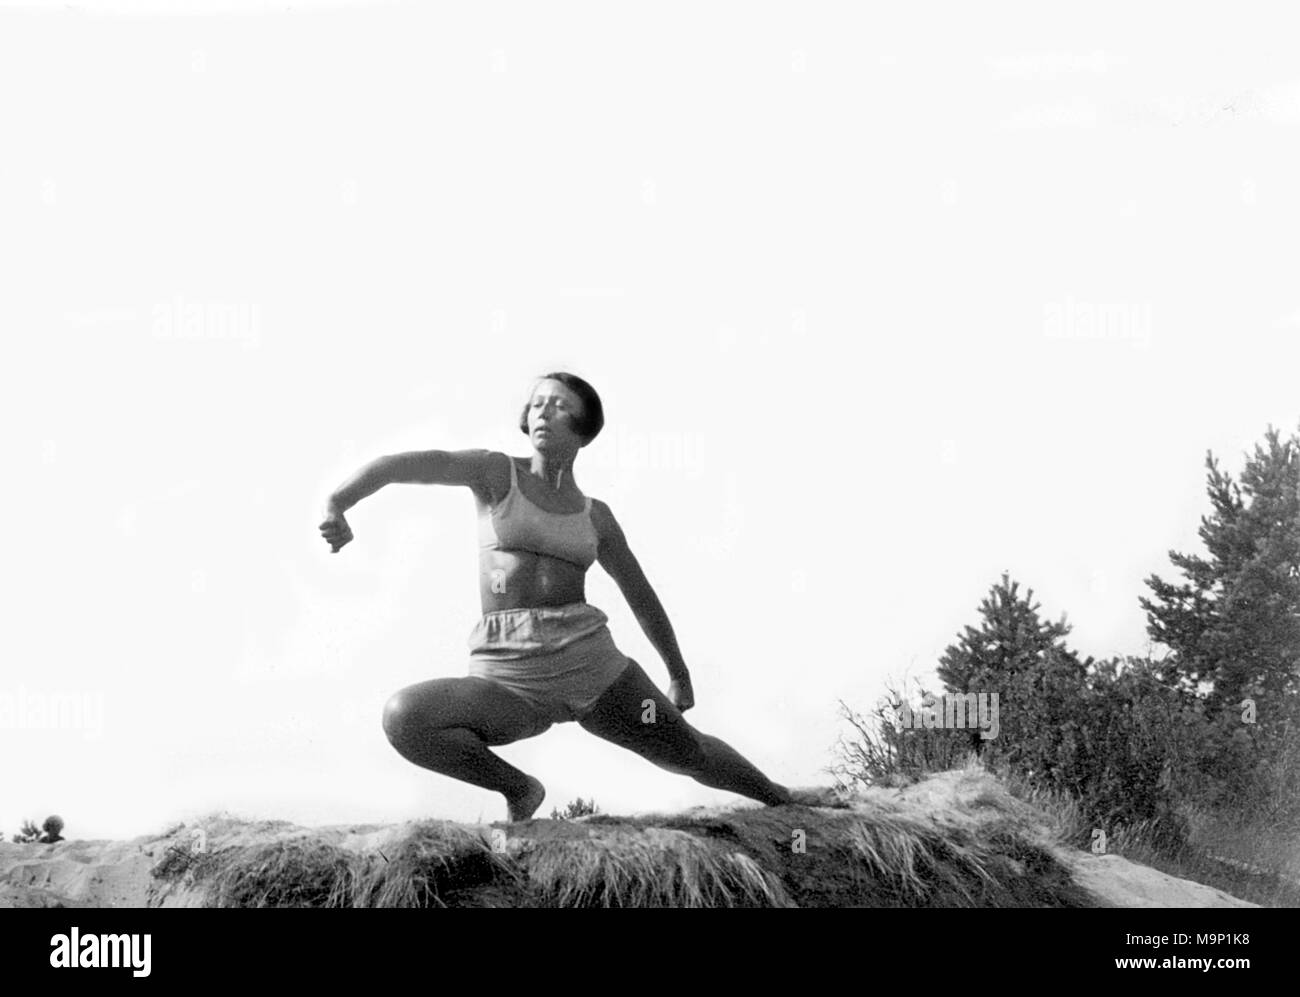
x=29, y=833
x=47, y=834
x=575, y=808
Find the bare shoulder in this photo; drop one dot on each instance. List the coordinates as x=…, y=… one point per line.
x=608, y=530
x=495, y=476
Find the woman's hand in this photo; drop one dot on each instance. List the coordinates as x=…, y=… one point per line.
x=680, y=693
x=334, y=528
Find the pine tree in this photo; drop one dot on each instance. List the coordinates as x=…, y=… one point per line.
x=1233, y=628
x=1039, y=681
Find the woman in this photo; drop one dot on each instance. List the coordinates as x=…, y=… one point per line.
x=541, y=654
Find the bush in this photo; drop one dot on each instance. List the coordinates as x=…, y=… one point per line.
x=576, y=808
x=28, y=834
x=47, y=834
x=881, y=752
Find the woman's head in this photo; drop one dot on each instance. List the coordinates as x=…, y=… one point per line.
x=565, y=397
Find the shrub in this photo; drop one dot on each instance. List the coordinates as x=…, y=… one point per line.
x=575, y=808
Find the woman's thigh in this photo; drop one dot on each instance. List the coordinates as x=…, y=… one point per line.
x=634, y=714
x=491, y=711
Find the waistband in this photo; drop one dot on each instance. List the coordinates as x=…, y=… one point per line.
x=567, y=610
x=529, y=630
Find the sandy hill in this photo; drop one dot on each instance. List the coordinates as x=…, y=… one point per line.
x=955, y=839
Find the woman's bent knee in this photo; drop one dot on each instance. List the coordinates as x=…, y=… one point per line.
x=396, y=716
x=414, y=714
x=405, y=712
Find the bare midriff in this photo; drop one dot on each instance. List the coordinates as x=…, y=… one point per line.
x=518, y=579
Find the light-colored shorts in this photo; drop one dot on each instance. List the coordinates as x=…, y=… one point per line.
x=559, y=658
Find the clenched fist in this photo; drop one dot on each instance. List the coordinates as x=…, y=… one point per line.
x=680, y=693
x=335, y=529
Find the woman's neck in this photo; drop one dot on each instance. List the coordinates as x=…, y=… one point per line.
x=557, y=472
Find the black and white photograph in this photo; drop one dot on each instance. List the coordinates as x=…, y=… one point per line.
x=661, y=455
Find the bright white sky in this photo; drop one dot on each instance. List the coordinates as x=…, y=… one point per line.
x=832, y=271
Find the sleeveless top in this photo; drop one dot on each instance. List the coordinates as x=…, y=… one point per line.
x=518, y=523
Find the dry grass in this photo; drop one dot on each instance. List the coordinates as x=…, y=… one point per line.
x=1253, y=862
x=295, y=873
x=434, y=865
x=438, y=864
x=647, y=867
x=1065, y=819
x=871, y=854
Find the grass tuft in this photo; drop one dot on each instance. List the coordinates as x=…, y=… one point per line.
x=299, y=872
x=648, y=867
x=436, y=865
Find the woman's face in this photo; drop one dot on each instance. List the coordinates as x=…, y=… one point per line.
x=551, y=414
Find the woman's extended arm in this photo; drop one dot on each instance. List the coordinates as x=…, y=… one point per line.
x=430, y=467
x=367, y=481
x=426, y=467
x=334, y=528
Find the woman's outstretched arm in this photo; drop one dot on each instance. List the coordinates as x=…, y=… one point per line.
x=430, y=467
x=334, y=527
x=368, y=480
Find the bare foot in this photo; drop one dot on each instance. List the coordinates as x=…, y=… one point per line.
x=523, y=807
x=780, y=796
x=818, y=796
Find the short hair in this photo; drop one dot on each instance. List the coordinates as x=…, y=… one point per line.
x=592, y=420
